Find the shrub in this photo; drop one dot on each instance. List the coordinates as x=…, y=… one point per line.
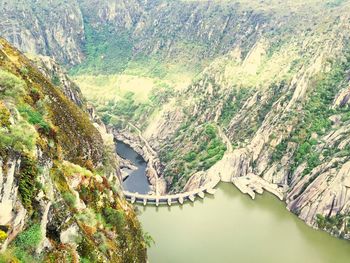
x=34, y=117
x=233, y=104
x=107, y=51
x=279, y=151
x=4, y=116
x=114, y=217
x=148, y=239
x=56, y=80
x=317, y=111
x=191, y=156
x=29, y=239
x=11, y=86
x=210, y=131
x=21, y=137
x=69, y=198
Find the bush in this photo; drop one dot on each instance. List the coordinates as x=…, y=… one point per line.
x=107, y=51
x=29, y=239
x=233, y=104
x=4, y=116
x=114, y=217
x=279, y=151
x=69, y=198
x=11, y=86
x=148, y=239
x=21, y=137
x=191, y=156
x=210, y=131
x=317, y=111
x=34, y=117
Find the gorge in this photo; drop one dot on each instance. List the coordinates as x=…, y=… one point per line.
x=251, y=94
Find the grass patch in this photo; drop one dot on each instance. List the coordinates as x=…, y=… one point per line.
x=34, y=117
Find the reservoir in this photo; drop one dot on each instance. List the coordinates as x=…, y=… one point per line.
x=229, y=227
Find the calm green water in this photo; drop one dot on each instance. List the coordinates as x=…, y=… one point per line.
x=231, y=227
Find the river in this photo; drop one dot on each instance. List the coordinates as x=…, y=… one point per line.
x=231, y=227
x=137, y=181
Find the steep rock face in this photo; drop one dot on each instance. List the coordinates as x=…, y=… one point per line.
x=56, y=207
x=54, y=29
x=172, y=27
x=12, y=209
x=58, y=77
x=190, y=30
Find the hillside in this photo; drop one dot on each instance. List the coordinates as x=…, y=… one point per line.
x=256, y=92
x=60, y=197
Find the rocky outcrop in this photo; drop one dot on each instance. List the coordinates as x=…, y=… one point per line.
x=13, y=214
x=343, y=98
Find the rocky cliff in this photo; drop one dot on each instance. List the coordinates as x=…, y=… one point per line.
x=60, y=195
x=52, y=28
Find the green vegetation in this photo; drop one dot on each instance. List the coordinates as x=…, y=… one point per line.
x=129, y=109
x=315, y=116
x=29, y=106
x=29, y=239
x=161, y=94
x=56, y=80
x=334, y=223
x=279, y=151
x=11, y=86
x=73, y=169
x=148, y=239
x=23, y=247
x=34, y=118
x=334, y=3
x=69, y=198
x=27, y=186
x=233, y=104
x=4, y=116
x=114, y=217
x=107, y=51
x=21, y=137
x=194, y=150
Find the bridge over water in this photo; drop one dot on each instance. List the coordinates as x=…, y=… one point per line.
x=172, y=199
